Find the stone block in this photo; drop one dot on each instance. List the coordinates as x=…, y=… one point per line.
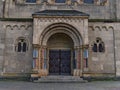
x=77, y=72
x=43, y=72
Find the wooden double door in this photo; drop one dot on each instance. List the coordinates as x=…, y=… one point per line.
x=60, y=62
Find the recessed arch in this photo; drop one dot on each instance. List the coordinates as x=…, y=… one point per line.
x=61, y=28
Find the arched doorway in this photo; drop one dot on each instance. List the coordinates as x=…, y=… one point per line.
x=60, y=54
x=57, y=41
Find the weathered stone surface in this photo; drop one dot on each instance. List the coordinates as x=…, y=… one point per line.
x=83, y=33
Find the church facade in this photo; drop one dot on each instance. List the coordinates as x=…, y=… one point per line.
x=60, y=37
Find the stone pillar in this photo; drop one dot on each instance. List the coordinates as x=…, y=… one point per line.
x=44, y=57
x=77, y=69
x=6, y=8
x=35, y=63
x=43, y=61
x=35, y=59
x=85, y=57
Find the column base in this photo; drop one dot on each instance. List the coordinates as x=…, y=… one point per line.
x=39, y=73
x=77, y=72
x=43, y=72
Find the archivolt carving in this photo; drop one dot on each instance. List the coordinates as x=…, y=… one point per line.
x=61, y=28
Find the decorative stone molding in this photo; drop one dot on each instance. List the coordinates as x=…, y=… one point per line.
x=51, y=2
x=97, y=2
x=75, y=3
x=101, y=28
x=18, y=27
x=45, y=2
x=81, y=2
x=20, y=1
x=57, y=20
x=68, y=2
x=38, y=1
x=104, y=2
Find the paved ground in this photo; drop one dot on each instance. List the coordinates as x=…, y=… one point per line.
x=20, y=85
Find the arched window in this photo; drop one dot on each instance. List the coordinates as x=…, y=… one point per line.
x=89, y=1
x=101, y=47
x=98, y=45
x=60, y=1
x=21, y=45
x=31, y=1
x=94, y=47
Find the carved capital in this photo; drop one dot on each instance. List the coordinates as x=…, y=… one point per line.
x=51, y=1
x=38, y=1
x=68, y=2
x=97, y=2
x=81, y=2
x=104, y=2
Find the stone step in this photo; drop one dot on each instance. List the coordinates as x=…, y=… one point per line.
x=60, y=79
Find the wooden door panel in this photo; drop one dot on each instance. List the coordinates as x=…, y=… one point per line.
x=65, y=62
x=54, y=61
x=60, y=62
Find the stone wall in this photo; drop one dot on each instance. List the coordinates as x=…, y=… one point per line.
x=17, y=62
x=106, y=62
x=1, y=8
x=117, y=48
x=102, y=62
x=2, y=45
x=25, y=10
x=117, y=8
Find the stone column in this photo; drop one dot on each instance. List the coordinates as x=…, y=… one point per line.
x=44, y=57
x=6, y=8
x=85, y=57
x=43, y=61
x=36, y=62
x=77, y=69
x=35, y=59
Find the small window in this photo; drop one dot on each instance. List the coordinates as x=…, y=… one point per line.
x=60, y=1
x=94, y=47
x=89, y=1
x=98, y=46
x=21, y=45
x=31, y=1
x=101, y=47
